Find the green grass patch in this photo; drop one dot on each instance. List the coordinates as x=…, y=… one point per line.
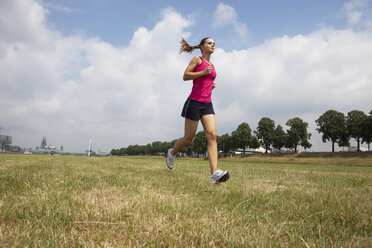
x=284, y=201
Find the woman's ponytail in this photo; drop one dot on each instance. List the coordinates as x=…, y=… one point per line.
x=185, y=47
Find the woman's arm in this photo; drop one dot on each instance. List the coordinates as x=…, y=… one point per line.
x=190, y=75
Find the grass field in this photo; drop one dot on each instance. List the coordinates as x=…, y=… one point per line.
x=269, y=201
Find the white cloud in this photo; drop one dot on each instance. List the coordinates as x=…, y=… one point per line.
x=74, y=88
x=304, y=75
x=22, y=22
x=71, y=88
x=60, y=8
x=359, y=12
x=225, y=15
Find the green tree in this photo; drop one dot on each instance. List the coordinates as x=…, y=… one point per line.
x=297, y=133
x=132, y=150
x=279, y=138
x=156, y=147
x=332, y=125
x=305, y=142
x=354, y=122
x=254, y=143
x=367, y=130
x=142, y=150
x=224, y=143
x=149, y=149
x=234, y=139
x=200, y=143
x=265, y=132
x=123, y=151
x=344, y=140
x=165, y=146
x=187, y=149
x=115, y=152
x=242, y=136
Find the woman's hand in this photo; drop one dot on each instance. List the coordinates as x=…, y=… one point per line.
x=207, y=70
x=213, y=86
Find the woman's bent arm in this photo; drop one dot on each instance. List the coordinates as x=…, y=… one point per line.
x=189, y=72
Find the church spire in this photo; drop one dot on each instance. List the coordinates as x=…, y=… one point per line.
x=44, y=143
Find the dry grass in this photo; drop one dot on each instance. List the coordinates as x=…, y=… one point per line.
x=317, y=158
x=137, y=202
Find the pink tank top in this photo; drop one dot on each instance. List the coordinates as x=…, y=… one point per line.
x=203, y=86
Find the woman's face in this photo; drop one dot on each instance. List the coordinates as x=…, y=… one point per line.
x=208, y=46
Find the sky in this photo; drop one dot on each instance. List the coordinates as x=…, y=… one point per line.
x=110, y=70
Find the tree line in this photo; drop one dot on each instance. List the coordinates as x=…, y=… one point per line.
x=334, y=126
x=266, y=135
x=338, y=128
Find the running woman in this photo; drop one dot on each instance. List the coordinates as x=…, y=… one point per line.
x=198, y=106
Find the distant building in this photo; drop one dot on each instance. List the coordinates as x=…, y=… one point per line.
x=5, y=140
x=47, y=149
x=250, y=150
x=355, y=148
x=6, y=144
x=43, y=144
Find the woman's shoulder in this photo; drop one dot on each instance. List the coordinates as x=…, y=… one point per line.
x=197, y=60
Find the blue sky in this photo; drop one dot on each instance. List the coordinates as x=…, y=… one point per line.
x=110, y=70
x=115, y=21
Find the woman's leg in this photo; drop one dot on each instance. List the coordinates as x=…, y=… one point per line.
x=190, y=130
x=209, y=125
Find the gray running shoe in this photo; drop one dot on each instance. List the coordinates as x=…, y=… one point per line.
x=219, y=176
x=170, y=159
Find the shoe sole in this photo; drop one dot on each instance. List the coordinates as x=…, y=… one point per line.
x=167, y=160
x=168, y=165
x=224, y=178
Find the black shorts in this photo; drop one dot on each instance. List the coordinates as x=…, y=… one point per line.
x=194, y=110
